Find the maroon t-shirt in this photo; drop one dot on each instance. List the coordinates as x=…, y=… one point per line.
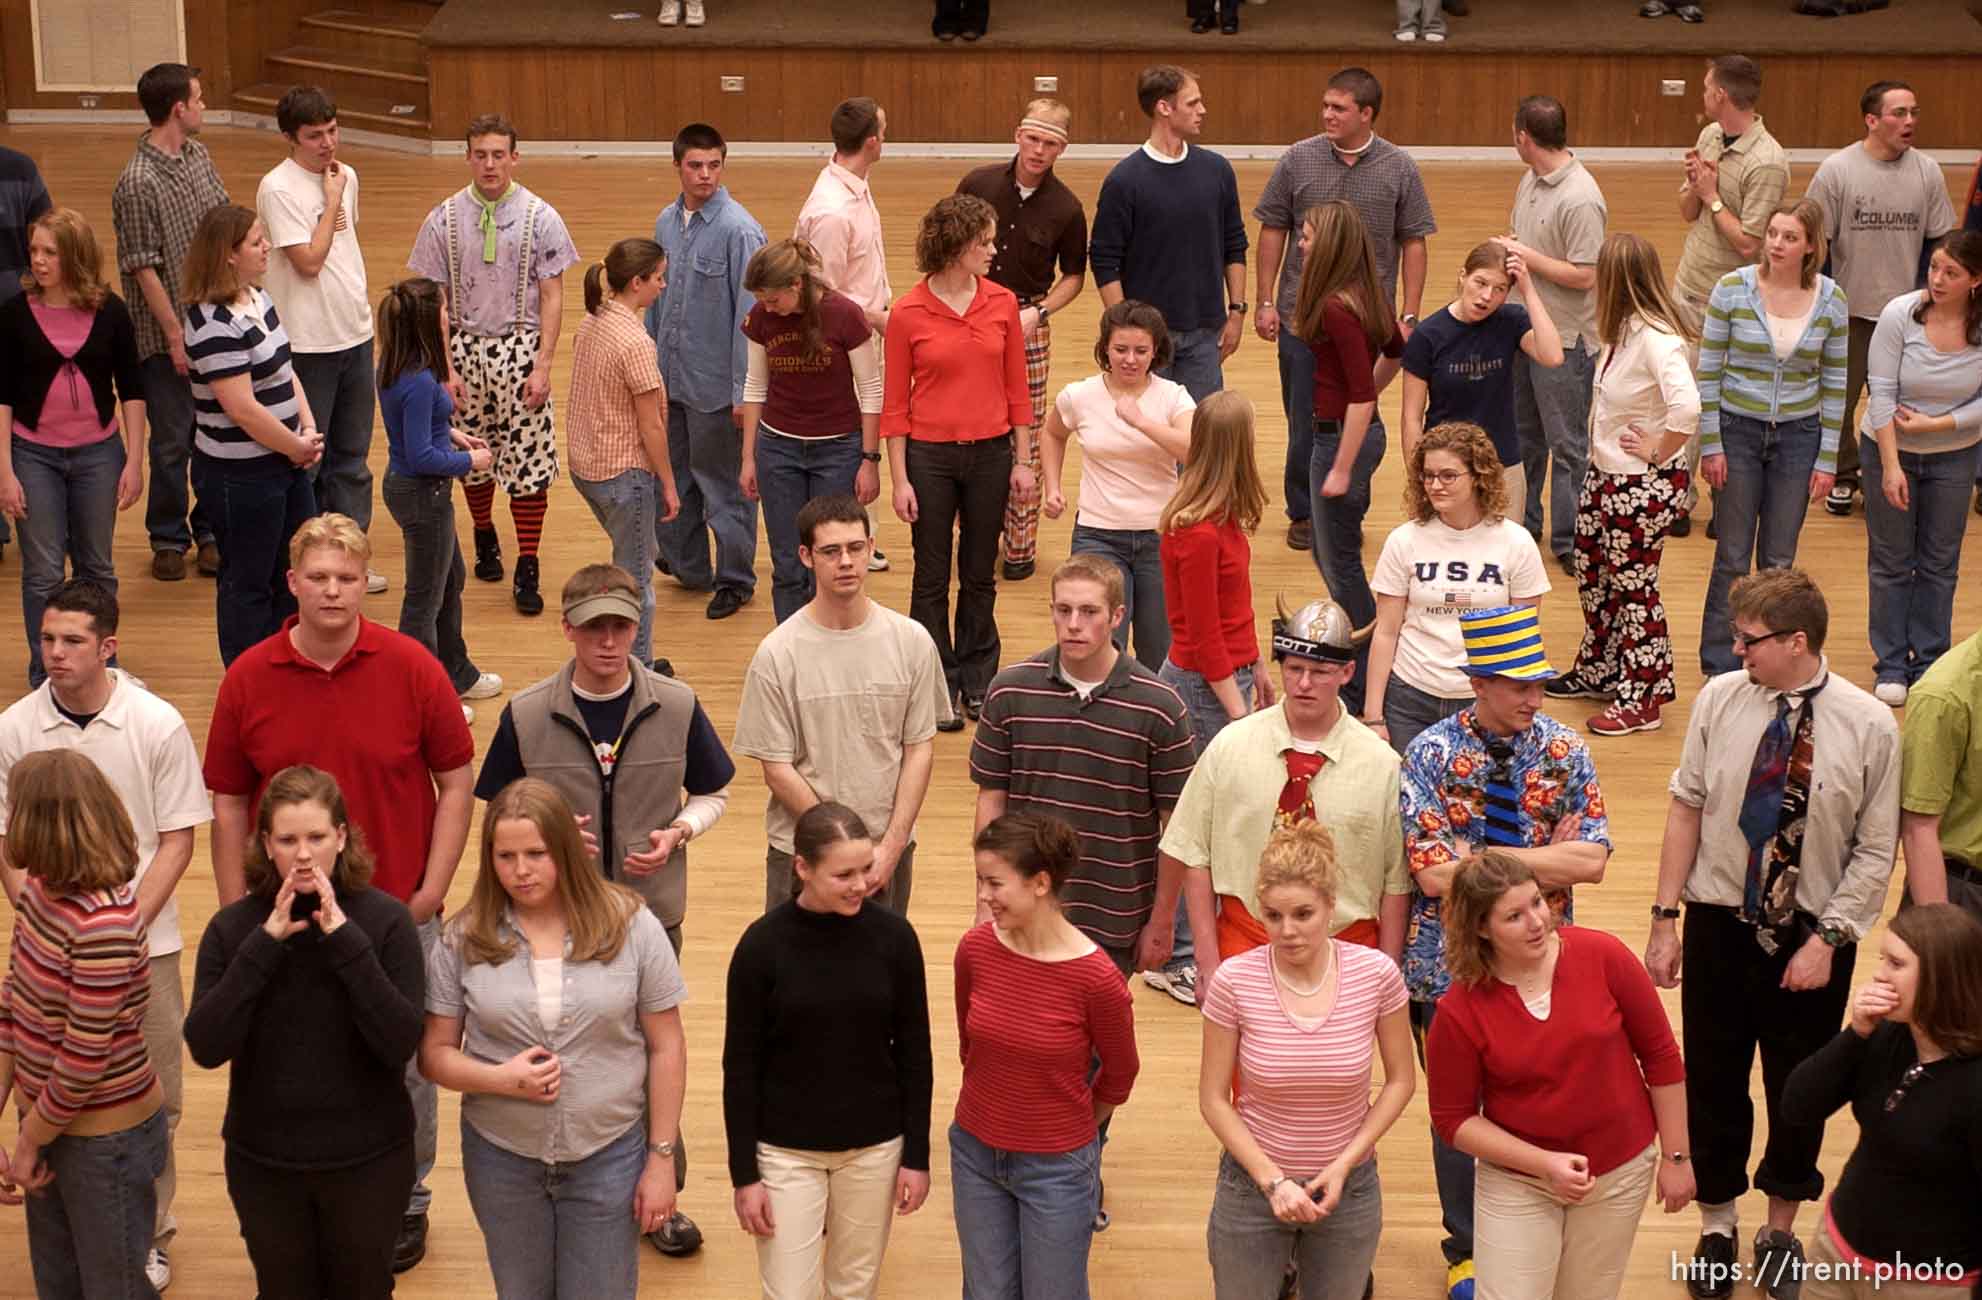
x=810, y=396
x=1343, y=365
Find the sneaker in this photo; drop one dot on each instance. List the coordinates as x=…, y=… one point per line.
x=1838, y=500
x=411, y=1247
x=1891, y=694
x=488, y=555
x=1459, y=1280
x=1571, y=687
x=1180, y=982
x=486, y=687
x=677, y=1237
x=1710, y=1273
x=1434, y=38
x=877, y=561
x=529, y=601
x=670, y=12
x=158, y=1269
x=696, y=17
x=1407, y=33
x=1654, y=9
x=168, y=566
x=1300, y=535
x=1779, y=1264
x=374, y=582
x=1615, y=721
x=1691, y=14
x=467, y=715
x=727, y=601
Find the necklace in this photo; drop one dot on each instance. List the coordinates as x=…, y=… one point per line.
x=1292, y=987
x=1359, y=150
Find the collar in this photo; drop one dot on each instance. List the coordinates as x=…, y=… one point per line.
x=145, y=146
x=1046, y=178
x=509, y=923
x=48, y=718
x=371, y=638
x=1469, y=722
x=1800, y=695
x=854, y=185
x=1561, y=173
x=707, y=212
x=1333, y=746
x=1116, y=676
x=1747, y=140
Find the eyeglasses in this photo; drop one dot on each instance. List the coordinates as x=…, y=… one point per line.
x=1904, y=113
x=1742, y=641
x=1907, y=1080
x=1444, y=477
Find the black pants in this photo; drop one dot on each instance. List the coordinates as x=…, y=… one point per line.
x=321, y=1234
x=953, y=16
x=960, y=491
x=1732, y=1001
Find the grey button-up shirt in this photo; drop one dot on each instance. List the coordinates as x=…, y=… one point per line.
x=1383, y=185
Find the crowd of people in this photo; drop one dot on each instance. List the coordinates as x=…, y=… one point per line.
x=1365, y=851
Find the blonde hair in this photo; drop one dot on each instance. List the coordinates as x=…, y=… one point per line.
x=1469, y=901
x=67, y=827
x=77, y=251
x=597, y=912
x=1046, y=110
x=1631, y=284
x=1301, y=854
x=1471, y=444
x=1091, y=566
x=1220, y=479
x=794, y=264
x=208, y=276
x=1341, y=267
x=339, y=532
x=298, y=785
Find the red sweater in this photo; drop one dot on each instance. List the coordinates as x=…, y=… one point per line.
x=1575, y=1082
x=951, y=377
x=1028, y=1030
x=1344, y=369
x=1208, y=593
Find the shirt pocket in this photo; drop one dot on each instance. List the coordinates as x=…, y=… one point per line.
x=712, y=266
x=881, y=708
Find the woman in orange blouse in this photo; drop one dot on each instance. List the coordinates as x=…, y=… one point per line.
x=957, y=417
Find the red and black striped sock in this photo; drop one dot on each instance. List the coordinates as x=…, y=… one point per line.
x=481, y=504
x=528, y=512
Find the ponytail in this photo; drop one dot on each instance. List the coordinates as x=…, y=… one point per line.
x=624, y=263
x=409, y=331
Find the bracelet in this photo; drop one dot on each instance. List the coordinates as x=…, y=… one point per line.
x=1375, y=722
x=1266, y=1188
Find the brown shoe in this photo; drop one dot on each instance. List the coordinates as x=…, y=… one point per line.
x=1300, y=535
x=209, y=561
x=168, y=566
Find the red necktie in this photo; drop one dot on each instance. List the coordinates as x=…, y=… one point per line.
x=1297, y=796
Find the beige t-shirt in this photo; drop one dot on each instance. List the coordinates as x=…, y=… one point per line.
x=327, y=312
x=840, y=707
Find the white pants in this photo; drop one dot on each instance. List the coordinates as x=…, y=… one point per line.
x=832, y=1210
x=1530, y=1245
x=166, y=1046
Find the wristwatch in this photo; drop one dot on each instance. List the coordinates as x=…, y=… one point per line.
x=1409, y=318
x=1677, y=1157
x=1267, y=1187
x=1241, y=308
x=1833, y=934
x=1043, y=310
x=1717, y=207
x=1664, y=913
x=871, y=457
x=665, y=1150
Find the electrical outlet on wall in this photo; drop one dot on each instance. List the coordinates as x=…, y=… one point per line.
x=1672, y=88
x=90, y=101
x=732, y=85
x=1045, y=85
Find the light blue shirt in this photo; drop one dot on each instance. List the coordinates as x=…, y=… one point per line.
x=697, y=322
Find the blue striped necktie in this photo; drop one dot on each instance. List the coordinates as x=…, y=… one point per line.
x=1503, y=801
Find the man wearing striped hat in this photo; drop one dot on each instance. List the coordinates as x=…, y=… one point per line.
x=1499, y=774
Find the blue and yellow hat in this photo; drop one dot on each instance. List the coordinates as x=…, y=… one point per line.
x=1505, y=642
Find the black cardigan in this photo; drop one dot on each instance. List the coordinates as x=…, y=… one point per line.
x=110, y=352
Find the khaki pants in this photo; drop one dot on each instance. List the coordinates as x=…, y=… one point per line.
x=1828, y=1277
x=1528, y=1245
x=165, y=1044
x=833, y=1210
x=1514, y=481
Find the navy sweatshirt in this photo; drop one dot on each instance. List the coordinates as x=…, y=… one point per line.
x=1167, y=231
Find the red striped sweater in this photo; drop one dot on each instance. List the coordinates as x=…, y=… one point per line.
x=72, y=1007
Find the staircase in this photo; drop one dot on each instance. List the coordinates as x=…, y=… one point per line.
x=366, y=54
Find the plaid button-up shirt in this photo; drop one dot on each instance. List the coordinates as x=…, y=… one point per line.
x=157, y=205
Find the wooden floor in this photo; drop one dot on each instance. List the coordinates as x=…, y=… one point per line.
x=1161, y=1160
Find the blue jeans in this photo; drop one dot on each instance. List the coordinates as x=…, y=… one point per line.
x=71, y=497
x=169, y=430
x=1134, y=551
x=1297, y=400
x=1195, y=363
x=791, y=472
x=89, y=1233
x=430, y=612
x=1251, y=1249
x=1024, y=1221
x=1338, y=534
x=1913, y=557
x=255, y=505
x=1451, y=1168
x=706, y=451
x=1407, y=711
x=627, y=506
x=1552, y=420
x=558, y=1230
x=1208, y=718
x=339, y=386
x=1757, y=516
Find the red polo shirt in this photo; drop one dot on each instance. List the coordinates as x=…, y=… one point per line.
x=383, y=721
x=950, y=377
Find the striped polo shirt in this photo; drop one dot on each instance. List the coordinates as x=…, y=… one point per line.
x=1111, y=765
x=227, y=340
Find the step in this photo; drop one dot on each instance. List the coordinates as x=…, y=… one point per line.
x=365, y=112
x=363, y=24
x=409, y=70
x=363, y=38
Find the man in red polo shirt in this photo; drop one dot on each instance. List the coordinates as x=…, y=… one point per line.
x=376, y=711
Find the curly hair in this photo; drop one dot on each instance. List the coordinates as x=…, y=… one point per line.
x=1301, y=854
x=954, y=224
x=1470, y=443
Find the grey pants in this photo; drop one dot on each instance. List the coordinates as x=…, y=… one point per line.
x=781, y=882
x=1250, y=1248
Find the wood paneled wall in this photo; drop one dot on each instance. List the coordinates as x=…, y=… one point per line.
x=207, y=47
x=969, y=95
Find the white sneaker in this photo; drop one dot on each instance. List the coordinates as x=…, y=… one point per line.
x=670, y=12
x=1407, y=33
x=467, y=715
x=1180, y=983
x=877, y=561
x=1892, y=694
x=158, y=1269
x=1434, y=37
x=374, y=582
x=486, y=687
x=695, y=14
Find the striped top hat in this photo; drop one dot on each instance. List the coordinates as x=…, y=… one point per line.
x=1505, y=642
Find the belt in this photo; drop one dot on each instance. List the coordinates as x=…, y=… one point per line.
x=1962, y=868
x=962, y=442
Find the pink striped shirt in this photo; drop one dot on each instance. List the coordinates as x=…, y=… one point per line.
x=1304, y=1088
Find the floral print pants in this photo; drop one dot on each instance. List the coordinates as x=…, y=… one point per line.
x=1621, y=525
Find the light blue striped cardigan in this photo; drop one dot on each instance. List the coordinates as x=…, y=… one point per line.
x=1740, y=373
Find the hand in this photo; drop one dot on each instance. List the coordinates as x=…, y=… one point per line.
x=1291, y=1203
x=906, y=508
x=1908, y=420
x=1153, y=948
x=176, y=349
x=911, y=1190
x=1810, y=968
x=1714, y=469
x=1870, y=1005
x=1129, y=411
x=1568, y=1175
x=753, y=1210
x=335, y=181
x=1263, y=695
x=13, y=499
x=1029, y=321
x=670, y=501
x=653, y=1195
x=1821, y=485
x=533, y=1074
x=329, y=915
x=661, y=845
x=1228, y=337
x=1898, y=495
x=1676, y=1186
x=1053, y=503
x=278, y=925
x=1267, y=323
x=27, y=1169
x=9, y=1193
x=308, y=449
x=588, y=835
x=537, y=388
x=423, y=906
x=736, y=416
x=1025, y=483
x=867, y=483
x=876, y=321
x=481, y=460
x=887, y=856
x=467, y=441
x=1325, y=1188
x=131, y=484
x=1662, y=954
x=455, y=388
x=1517, y=270
x=747, y=480
x=1337, y=482
x=1703, y=178
x=1513, y=247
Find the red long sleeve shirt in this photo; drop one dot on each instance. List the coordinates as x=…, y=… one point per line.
x=1575, y=1082
x=1208, y=594
x=952, y=377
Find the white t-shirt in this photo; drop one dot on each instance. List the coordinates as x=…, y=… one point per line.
x=1441, y=572
x=141, y=744
x=327, y=312
x=1125, y=479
